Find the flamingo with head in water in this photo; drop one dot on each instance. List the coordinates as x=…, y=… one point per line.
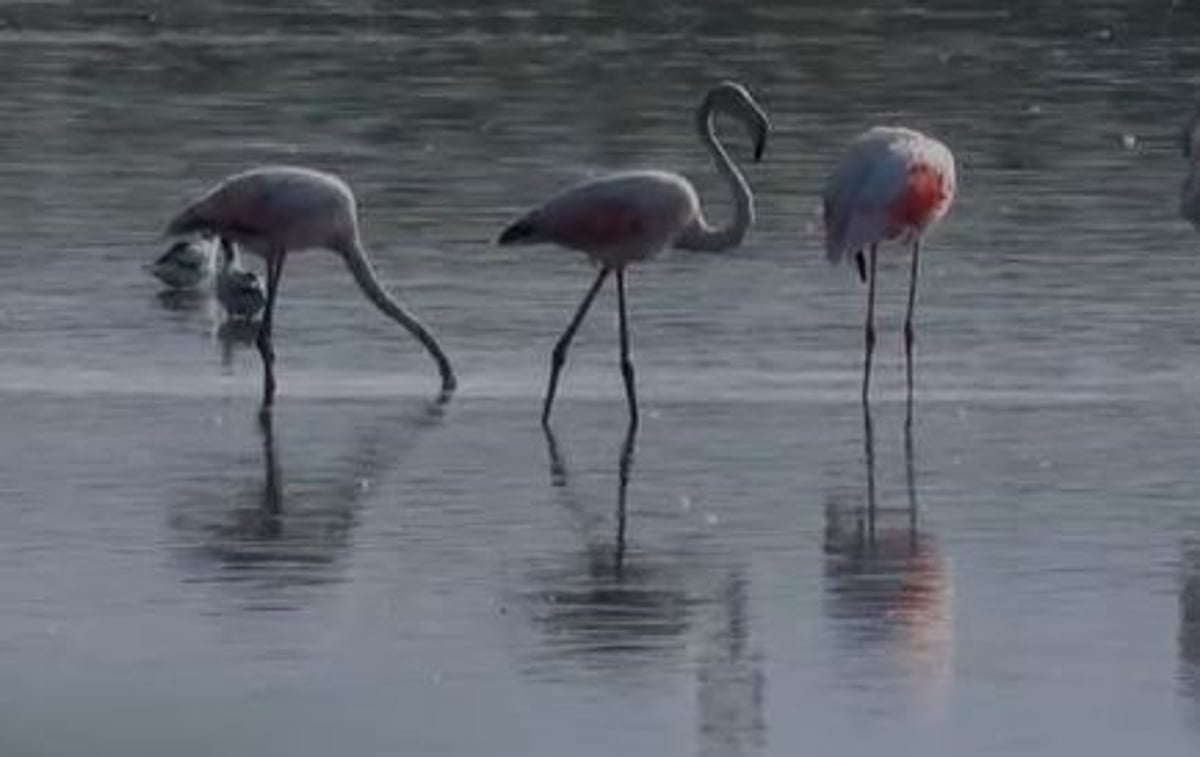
x=185, y=265
x=278, y=210
x=892, y=184
x=631, y=216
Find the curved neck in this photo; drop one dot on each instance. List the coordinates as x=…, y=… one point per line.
x=700, y=235
x=364, y=275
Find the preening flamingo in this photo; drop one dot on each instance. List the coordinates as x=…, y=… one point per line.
x=893, y=184
x=631, y=216
x=276, y=210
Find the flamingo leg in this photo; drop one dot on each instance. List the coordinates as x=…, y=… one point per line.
x=272, y=479
x=909, y=334
x=558, y=358
x=869, y=329
x=626, y=360
x=265, y=342
x=625, y=466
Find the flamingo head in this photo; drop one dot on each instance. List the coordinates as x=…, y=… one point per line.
x=736, y=100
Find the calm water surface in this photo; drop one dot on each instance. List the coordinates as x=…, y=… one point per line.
x=374, y=575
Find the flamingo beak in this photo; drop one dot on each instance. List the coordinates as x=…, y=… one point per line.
x=861, y=263
x=760, y=144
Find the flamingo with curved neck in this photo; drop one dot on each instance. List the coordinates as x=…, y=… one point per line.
x=277, y=210
x=631, y=216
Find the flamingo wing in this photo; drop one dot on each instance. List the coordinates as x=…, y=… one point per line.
x=265, y=203
x=644, y=209
x=857, y=197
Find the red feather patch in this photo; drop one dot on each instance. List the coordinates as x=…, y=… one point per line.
x=922, y=196
x=603, y=226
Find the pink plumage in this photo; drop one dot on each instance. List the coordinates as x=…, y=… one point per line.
x=617, y=219
x=892, y=184
x=274, y=211
x=631, y=216
x=284, y=207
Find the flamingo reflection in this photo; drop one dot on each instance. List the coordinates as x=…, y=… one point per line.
x=887, y=586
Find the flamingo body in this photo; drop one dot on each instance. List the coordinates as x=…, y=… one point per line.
x=618, y=219
x=893, y=184
x=276, y=210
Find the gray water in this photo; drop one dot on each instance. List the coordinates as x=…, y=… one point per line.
x=373, y=575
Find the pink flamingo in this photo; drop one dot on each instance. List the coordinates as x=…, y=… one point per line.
x=892, y=184
x=276, y=210
x=631, y=216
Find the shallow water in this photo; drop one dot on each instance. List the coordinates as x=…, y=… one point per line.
x=373, y=574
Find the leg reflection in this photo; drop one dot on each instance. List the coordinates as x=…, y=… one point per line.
x=560, y=478
x=886, y=585
x=273, y=543
x=1189, y=622
x=603, y=602
x=272, y=479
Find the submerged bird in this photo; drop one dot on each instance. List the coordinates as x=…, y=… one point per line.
x=239, y=291
x=278, y=210
x=187, y=264
x=892, y=184
x=631, y=216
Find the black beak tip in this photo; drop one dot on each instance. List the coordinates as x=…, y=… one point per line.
x=760, y=145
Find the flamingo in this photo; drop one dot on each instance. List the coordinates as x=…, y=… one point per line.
x=631, y=216
x=239, y=291
x=892, y=184
x=185, y=265
x=275, y=210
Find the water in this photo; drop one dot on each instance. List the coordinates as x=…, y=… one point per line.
x=378, y=576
